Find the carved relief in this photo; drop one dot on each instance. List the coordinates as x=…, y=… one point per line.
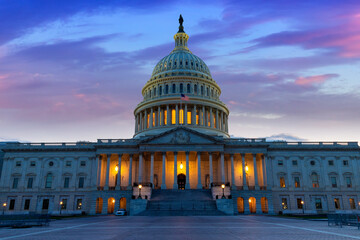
x=180, y=138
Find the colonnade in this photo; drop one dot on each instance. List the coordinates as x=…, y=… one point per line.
x=242, y=172
x=181, y=114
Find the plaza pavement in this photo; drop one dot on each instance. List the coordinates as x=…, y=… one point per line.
x=220, y=227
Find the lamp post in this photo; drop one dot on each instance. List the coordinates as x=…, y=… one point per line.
x=302, y=204
x=61, y=204
x=223, y=188
x=4, y=206
x=140, y=186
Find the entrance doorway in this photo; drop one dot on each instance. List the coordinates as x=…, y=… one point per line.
x=181, y=179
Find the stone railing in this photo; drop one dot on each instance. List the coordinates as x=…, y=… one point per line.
x=146, y=190
x=115, y=141
x=218, y=192
x=284, y=143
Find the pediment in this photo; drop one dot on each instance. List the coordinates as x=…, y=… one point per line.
x=181, y=135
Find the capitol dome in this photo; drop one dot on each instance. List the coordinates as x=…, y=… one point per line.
x=181, y=92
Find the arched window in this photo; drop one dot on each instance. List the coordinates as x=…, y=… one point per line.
x=173, y=88
x=166, y=89
x=188, y=87
x=160, y=90
x=202, y=90
x=212, y=92
x=195, y=89
x=154, y=92
x=315, y=180
x=181, y=88
x=150, y=93
x=207, y=92
x=48, y=181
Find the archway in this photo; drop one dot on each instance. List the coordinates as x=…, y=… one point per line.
x=123, y=203
x=252, y=205
x=111, y=205
x=264, y=205
x=99, y=205
x=240, y=204
x=181, y=179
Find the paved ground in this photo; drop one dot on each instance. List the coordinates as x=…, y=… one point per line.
x=221, y=227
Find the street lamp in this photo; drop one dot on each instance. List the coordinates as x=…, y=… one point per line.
x=302, y=204
x=116, y=169
x=61, y=204
x=223, y=188
x=181, y=166
x=140, y=186
x=4, y=206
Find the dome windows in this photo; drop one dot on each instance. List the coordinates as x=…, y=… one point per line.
x=202, y=90
x=173, y=88
x=195, y=89
x=188, y=88
x=166, y=89
x=181, y=88
x=160, y=90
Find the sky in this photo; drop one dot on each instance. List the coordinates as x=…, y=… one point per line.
x=73, y=70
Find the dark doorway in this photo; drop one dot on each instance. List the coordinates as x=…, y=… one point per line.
x=181, y=179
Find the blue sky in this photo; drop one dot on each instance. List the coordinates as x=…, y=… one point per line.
x=73, y=70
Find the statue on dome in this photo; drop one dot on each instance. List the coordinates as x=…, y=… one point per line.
x=181, y=20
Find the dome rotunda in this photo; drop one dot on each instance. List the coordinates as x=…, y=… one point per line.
x=181, y=92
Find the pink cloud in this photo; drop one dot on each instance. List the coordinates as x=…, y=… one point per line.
x=311, y=80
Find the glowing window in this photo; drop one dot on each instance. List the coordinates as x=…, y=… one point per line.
x=282, y=182
x=188, y=117
x=197, y=119
x=153, y=121
x=148, y=120
x=173, y=116
x=165, y=117
x=181, y=117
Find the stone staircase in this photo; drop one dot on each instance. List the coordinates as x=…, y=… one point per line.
x=181, y=203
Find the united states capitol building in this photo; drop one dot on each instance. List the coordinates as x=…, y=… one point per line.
x=181, y=160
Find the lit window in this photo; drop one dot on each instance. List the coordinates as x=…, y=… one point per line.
x=315, y=180
x=188, y=117
x=299, y=203
x=173, y=116
x=337, y=203
x=352, y=203
x=297, y=182
x=284, y=203
x=282, y=182
x=153, y=119
x=165, y=117
x=181, y=117
x=197, y=119
x=79, y=204
x=148, y=120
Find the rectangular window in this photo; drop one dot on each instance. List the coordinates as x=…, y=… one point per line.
x=188, y=117
x=12, y=204
x=331, y=163
x=147, y=120
x=30, y=182
x=346, y=163
x=79, y=204
x=284, y=203
x=18, y=164
x=318, y=204
x=66, y=182
x=299, y=202
x=297, y=182
x=153, y=120
x=294, y=163
x=181, y=116
x=282, y=182
x=352, y=203
x=348, y=182
x=27, y=204
x=32, y=164
x=165, y=117
x=197, y=119
x=15, y=183
x=64, y=203
x=83, y=163
x=280, y=163
x=45, y=204
x=68, y=163
x=173, y=116
x=81, y=182
x=333, y=182
x=337, y=203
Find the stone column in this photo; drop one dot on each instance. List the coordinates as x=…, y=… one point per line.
x=222, y=167
x=211, y=168
x=140, y=167
x=187, y=185
x=99, y=171
x=158, y=122
x=193, y=116
x=217, y=119
x=203, y=116
x=130, y=172
x=107, y=172
x=146, y=120
x=168, y=114
x=151, y=118
x=118, y=186
x=255, y=173
x=141, y=121
x=152, y=170
x=267, y=174
x=175, y=186
x=161, y=117
x=226, y=124
x=136, y=123
x=211, y=118
x=222, y=121
x=185, y=115
x=232, y=172
x=163, y=182
x=263, y=170
x=245, y=187
x=199, y=185
x=177, y=114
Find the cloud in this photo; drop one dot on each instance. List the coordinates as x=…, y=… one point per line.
x=284, y=137
x=311, y=80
